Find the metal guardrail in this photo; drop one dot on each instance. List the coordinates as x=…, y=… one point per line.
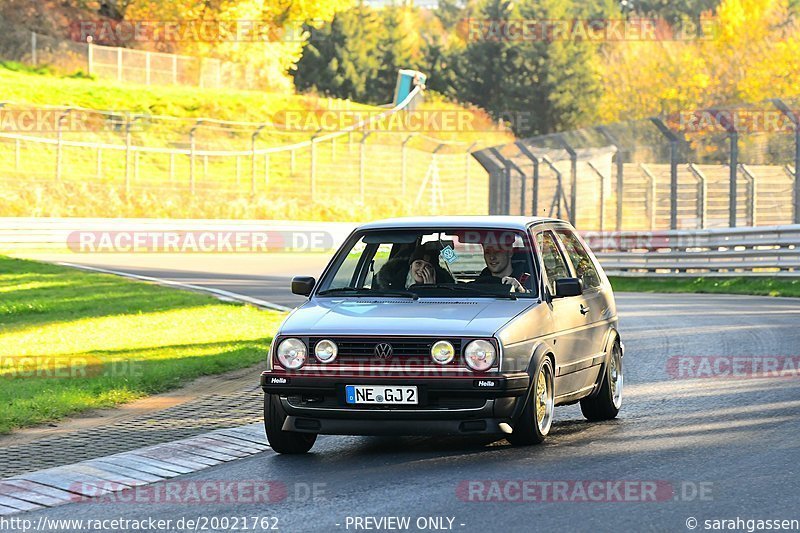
x=754, y=251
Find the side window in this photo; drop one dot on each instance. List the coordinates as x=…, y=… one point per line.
x=584, y=267
x=554, y=265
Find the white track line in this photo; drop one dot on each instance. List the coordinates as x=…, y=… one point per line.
x=217, y=292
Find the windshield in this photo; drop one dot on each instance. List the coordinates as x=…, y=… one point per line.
x=442, y=263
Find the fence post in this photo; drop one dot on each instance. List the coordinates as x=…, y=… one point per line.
x=651, y=195
x=89, y=55
x=734, y=167
x=59, y=142
x=467, y=156
x=313, y=164
x=673, y=170
x=702, y=194
x=535, y=181
x=559, y=196
x=508, y=166
x=362, y=165
x=192, y=146
x=119, y=64
x=752, y=194
x=791, y=115
x=573, y=180
x=127, y=157
x=494, y=168
x=602, y=216
x=253, y=159
x=620, y=172
x=34, y=55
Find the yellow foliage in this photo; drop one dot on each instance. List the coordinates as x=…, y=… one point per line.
x=271, y=47
x=750, y=56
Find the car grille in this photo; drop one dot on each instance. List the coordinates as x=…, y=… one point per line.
x=406, y=352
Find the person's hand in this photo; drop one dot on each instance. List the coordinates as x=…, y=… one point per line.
x=424, y=274
x=516, y=286
x=428, y=275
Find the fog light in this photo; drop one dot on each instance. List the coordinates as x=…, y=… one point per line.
x=442, y=352
x=326, y=351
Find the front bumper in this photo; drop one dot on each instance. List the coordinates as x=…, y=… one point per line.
x=466, y=404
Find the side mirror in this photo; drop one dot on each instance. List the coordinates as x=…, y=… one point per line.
x=303, y=285
x=566, y=287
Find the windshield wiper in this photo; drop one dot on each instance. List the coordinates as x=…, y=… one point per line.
x=467, y=288
x=368, y=292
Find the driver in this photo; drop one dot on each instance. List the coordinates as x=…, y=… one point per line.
x=498, y=264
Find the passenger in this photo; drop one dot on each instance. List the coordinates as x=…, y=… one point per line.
x=421, y=268
x=424, y=268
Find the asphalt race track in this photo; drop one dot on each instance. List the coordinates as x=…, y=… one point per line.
x=713, y=447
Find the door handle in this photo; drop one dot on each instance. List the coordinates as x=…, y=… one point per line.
x=584, y=309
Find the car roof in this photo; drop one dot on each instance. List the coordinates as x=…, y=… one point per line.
x=460, y=222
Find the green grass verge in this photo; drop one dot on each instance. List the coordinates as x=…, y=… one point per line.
x=760, y=286
x=73, y=341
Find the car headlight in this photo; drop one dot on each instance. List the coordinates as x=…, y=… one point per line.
x=326, y=351
x=442, y=352
x=480, y=355
x=292, y=353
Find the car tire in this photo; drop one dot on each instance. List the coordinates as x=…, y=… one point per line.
x=290, y=442
x=605, y=405
x=536, y=419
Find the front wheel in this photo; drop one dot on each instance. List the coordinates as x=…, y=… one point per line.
x=279, y=440
x=537, y=417
x=606, y=403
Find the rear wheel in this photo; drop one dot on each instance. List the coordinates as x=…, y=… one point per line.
x=537, y=417
x=606, y=403
x=279, y=440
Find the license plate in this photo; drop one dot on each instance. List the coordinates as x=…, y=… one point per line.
x=381, y=394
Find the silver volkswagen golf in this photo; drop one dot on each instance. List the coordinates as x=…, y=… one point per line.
x=446, y=325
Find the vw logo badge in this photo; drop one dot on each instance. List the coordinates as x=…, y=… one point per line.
x=383, y=350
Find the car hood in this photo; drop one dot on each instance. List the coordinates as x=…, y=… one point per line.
x=361, y=316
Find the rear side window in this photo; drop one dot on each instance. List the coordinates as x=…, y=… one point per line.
x=554, y=265
x=584, y=267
